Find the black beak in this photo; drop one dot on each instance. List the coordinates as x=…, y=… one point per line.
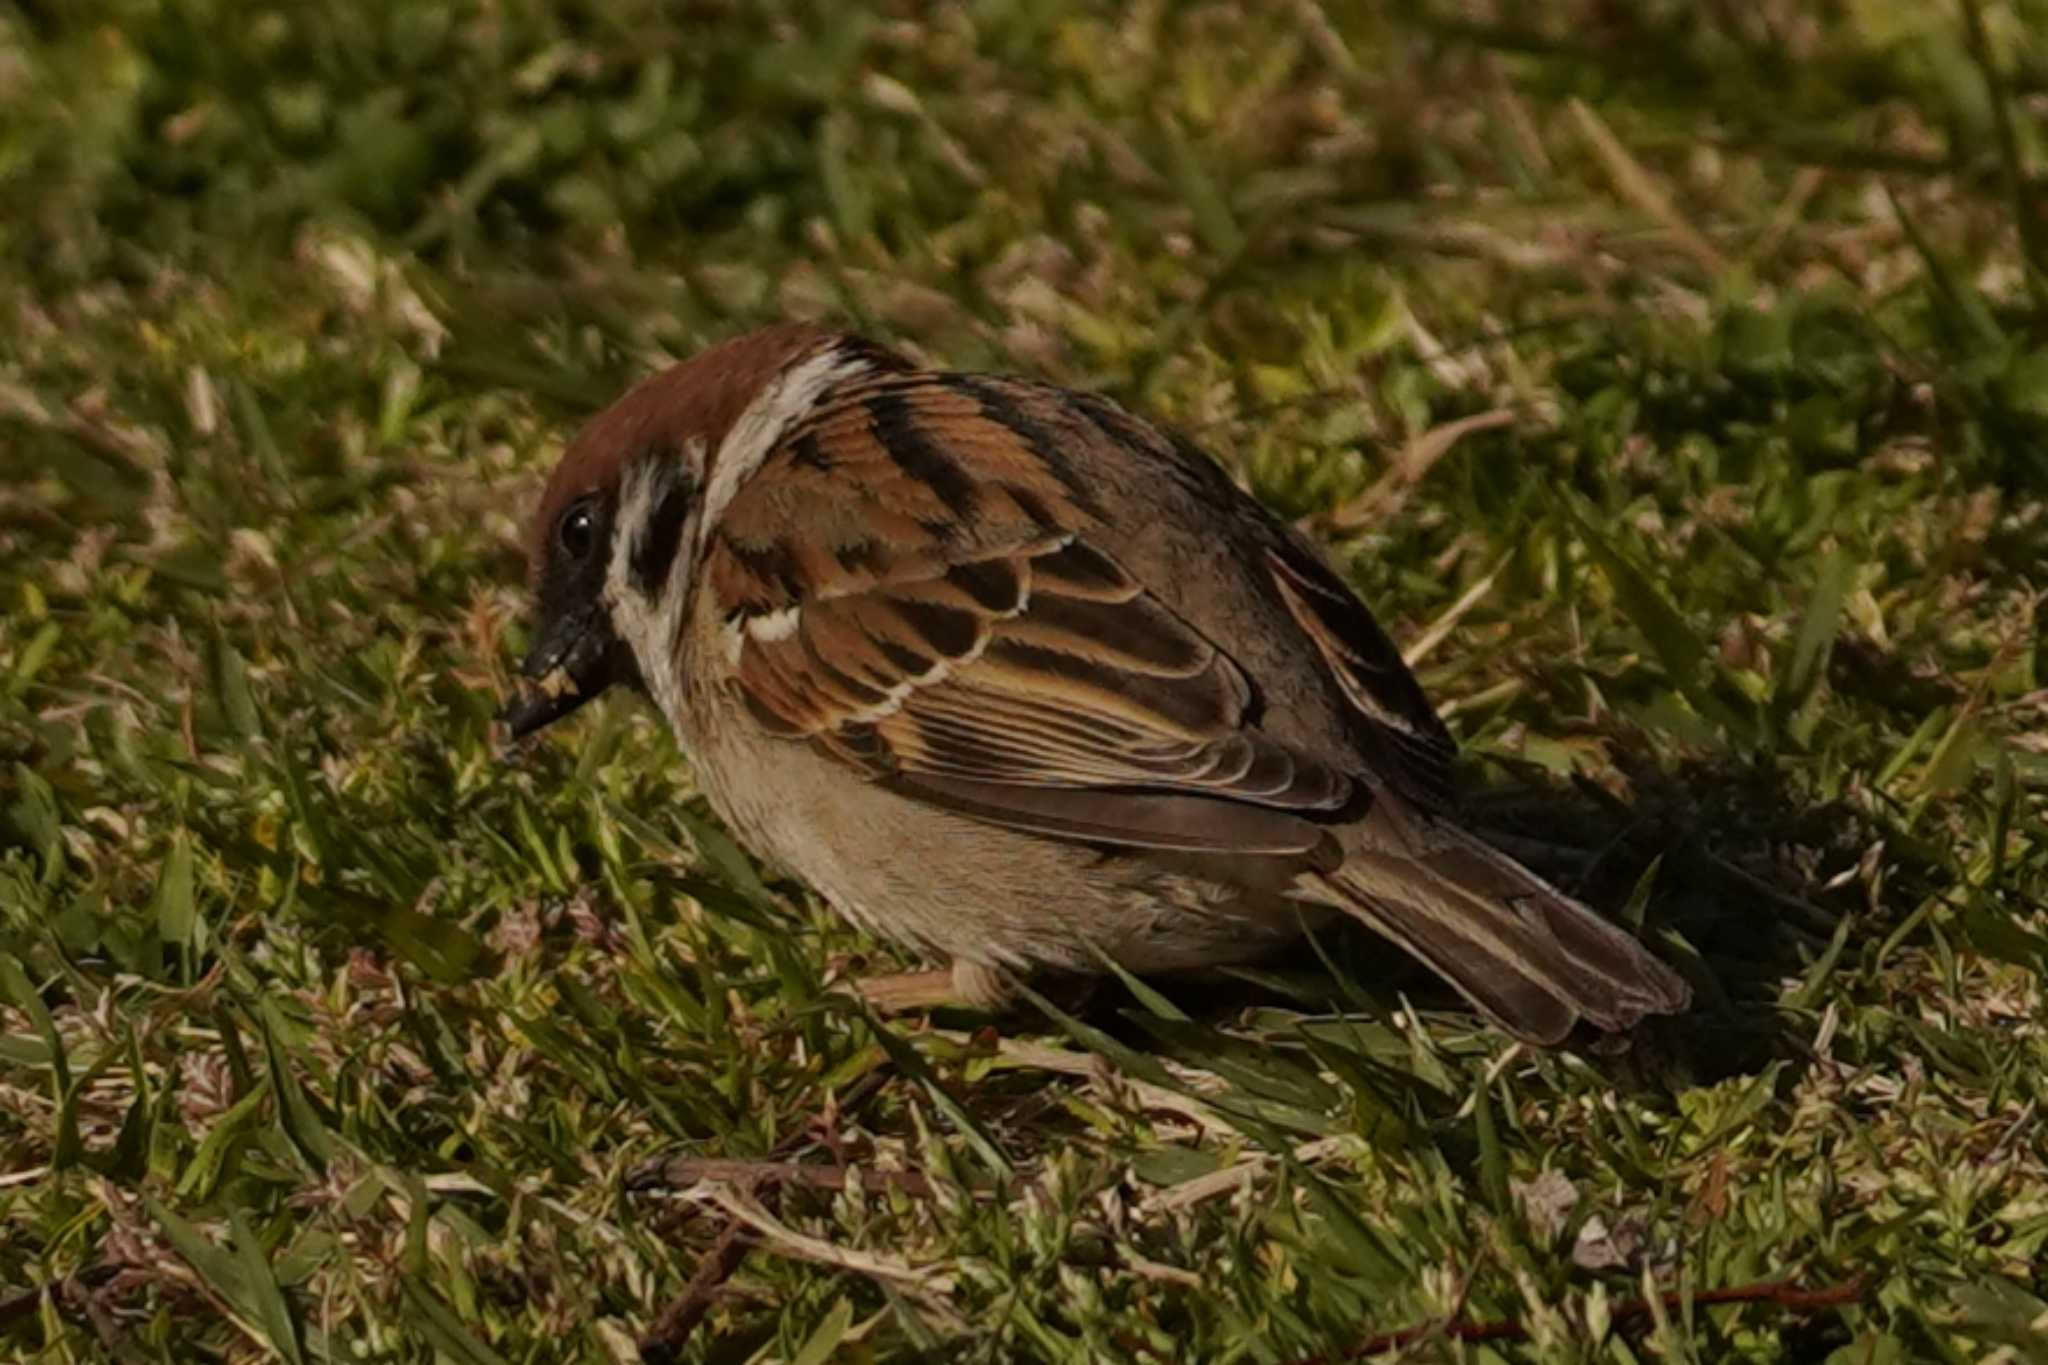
x=576, y=657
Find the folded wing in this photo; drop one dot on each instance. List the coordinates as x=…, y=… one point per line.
x=946, y=625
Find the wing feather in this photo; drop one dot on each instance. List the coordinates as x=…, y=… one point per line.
x=1401, y=729
x=948, y=622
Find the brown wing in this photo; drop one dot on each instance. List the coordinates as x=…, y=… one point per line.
x=946, y=625
x=1402, y=743
x=1399, y=730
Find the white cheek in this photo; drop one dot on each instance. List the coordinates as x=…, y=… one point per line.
x=652, y=626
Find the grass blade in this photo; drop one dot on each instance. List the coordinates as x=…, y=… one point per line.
x=177, y=921
x=242, y=1279
x=436, y=1322
x=1817, y=628
x=1678, y=647
x=905, y=1058
x=273, y=1314
x=301, y=1122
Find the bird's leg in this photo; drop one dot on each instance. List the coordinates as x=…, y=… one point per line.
x=905, y=992
x=964, y=985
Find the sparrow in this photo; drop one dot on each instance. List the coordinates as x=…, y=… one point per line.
x=1025, y=682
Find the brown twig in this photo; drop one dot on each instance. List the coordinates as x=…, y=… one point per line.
x=678, y=1321
x=70, y=1291
x=672, y=1329
x=763, y=1180
x=26, y=1302
x=682, y=1172
x=1778, y=1293
x=1415, y=460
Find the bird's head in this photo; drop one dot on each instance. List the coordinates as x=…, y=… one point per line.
x=615, y=541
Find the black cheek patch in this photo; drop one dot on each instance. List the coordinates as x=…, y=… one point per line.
x=662, y=538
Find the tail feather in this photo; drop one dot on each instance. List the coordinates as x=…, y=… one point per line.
x=1519, y=949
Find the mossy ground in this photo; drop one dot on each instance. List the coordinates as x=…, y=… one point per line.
x=1672, y=378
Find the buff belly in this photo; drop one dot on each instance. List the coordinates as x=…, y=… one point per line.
x=962, y=889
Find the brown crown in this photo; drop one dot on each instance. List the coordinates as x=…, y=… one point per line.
x=699, y=399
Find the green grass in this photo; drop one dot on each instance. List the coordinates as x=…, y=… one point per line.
x=327, y=1031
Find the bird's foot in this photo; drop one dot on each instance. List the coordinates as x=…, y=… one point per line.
x=964, y=985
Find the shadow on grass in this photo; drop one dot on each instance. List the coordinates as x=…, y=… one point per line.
x=1738, y=903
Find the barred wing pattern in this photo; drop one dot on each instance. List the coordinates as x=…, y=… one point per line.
x=948, y=623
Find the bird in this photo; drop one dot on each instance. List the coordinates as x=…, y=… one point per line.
x=1026, y=683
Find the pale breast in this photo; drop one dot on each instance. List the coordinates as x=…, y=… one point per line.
x=944, y=884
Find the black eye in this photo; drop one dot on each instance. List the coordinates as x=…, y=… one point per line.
x=577, y=531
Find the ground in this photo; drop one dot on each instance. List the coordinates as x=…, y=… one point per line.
x=1672, y=378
